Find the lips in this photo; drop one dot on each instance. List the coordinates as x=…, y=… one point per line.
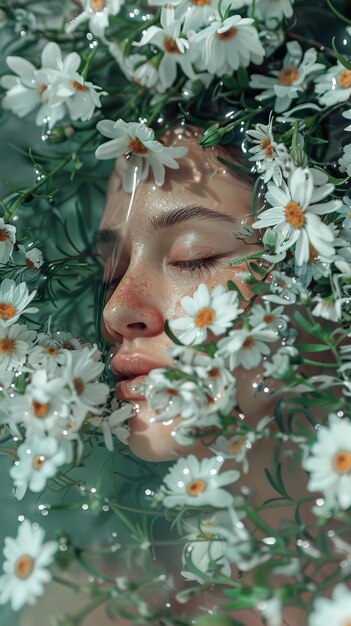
x=130, y=371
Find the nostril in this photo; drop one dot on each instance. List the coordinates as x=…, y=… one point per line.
x=137, y=325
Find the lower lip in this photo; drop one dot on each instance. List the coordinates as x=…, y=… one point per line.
x=124, y=389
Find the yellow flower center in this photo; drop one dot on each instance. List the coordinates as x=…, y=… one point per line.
x=30, y=263
x=170, y=45
x=269, y=318
x=344, y=79
x=342, y=462
x=229, y=34
x=248, y=343
x=7, y=311
x=137, y=147
x=51, y=350
x=78, y=86
x=97, y=5
x=3, y=235
x=200, y=3
x=267, y=147
x=213, y=373
x=236, y=446
x=294, y=215
x=38, y=461
x=78, y=385
x=204, y=317
x=39, y=409
x=7, y=345
x=172, y=392
x=288, y=75
x=24, y=566
x=196, y=487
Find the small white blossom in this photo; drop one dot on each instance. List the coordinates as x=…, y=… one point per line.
x=198, y=483
x=97, y=13
x=266, y=153
x=15, y=343
x=14, y=300
x=137, y=141
x=288, y=83
x=33, y=258
x=334, y=85
x=273, y=318
x=335, y=610
x=80, y=373
x=329, y=462
x=246, y=347
x=227, y=44
x=345, y=159
x=207, y=312
x=114, y=424
x=274, y=11
x=271, y=610
x=170, y=398
x=38, y=460
x=7, y=239
x=280, y=363
x=136, y=67
x=25, y=567
x=205, y=549
x=329, y=308
x=294, y=214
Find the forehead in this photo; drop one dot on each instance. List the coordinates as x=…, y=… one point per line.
x=200, y=180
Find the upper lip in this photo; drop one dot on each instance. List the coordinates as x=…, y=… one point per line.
x=132, y=365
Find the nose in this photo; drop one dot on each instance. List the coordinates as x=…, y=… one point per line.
x=132, y=311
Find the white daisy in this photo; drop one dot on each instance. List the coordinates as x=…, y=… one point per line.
x=25, y=566
x=137, y=142
x=170, y=398
x=266, y=153
x=335, y=610
x=97, y=12
x=286, y=289
x=274, y=11
x=197, y=483
x=288, y=83
x=14, y=300
x=329, y=462
x=281, y=362
x=205, y=550
x=33, y=258
x=235, y=447
x=114, y=424
x=176, y=49
x=227, y=44
x=207, y=312
x=38, y=460
x=345, y=159
x=7, y=239
x=211, y=372
x=334, y=85
x=272, y=318
x=329, y=308
x=47, y=354
x=295, y=211
x=246, y=347
x=136, y=67
x=80, y=373
x=15, y=343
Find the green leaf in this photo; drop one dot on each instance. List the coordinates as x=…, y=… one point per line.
x=311, y=347
x=171, y=335
x=233, y=287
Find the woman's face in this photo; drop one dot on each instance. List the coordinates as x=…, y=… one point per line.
x=157, y=249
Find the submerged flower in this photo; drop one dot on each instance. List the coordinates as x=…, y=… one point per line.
x=7, y=239
x=334, y=85
x=227, y=44
x=296, y=207
x=14, y=300
x=137, y=141
x=289, y=82
x=196, y=483
x=15, y=343
x=335, y=610
x=38, y=460
x=207, y=312
x=97, y=12
x=25, y=568
x=329, y=462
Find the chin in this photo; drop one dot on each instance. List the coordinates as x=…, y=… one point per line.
x=153, y=441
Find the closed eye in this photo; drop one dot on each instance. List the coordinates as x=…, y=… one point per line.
x=196, y=264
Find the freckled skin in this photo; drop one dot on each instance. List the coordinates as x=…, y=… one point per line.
x=151, y=284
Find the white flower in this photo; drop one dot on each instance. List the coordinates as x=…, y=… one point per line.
x=137, y=141
x=286, y=290
x=273, y=318
x=234, y=447
x=345, y=159
x=280, y=363
x=33, y=258
x=97, y=12
x=329, y=308
x=171, y=398
x=226, y=45
x=207, y=312
x=335, y=610
x=329, y=462
x=114, y=424
x=136, y=67
x=334, y=85
x=246, y=347
x=38, y=460
x=295, y=211
x=286, y=85
x=205, y=550
x=7, y=239
x=48, y=354
x=274, y=11
x=25, y=573
x=266, y=153
x=80, y=373
x=15, y=343
x=176, y=49
x=14, y=300
x=271, y=610
x=197, y=483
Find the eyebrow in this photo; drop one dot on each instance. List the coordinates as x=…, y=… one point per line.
x=171, y=218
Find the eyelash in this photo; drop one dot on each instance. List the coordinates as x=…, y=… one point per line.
x=197, y=264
